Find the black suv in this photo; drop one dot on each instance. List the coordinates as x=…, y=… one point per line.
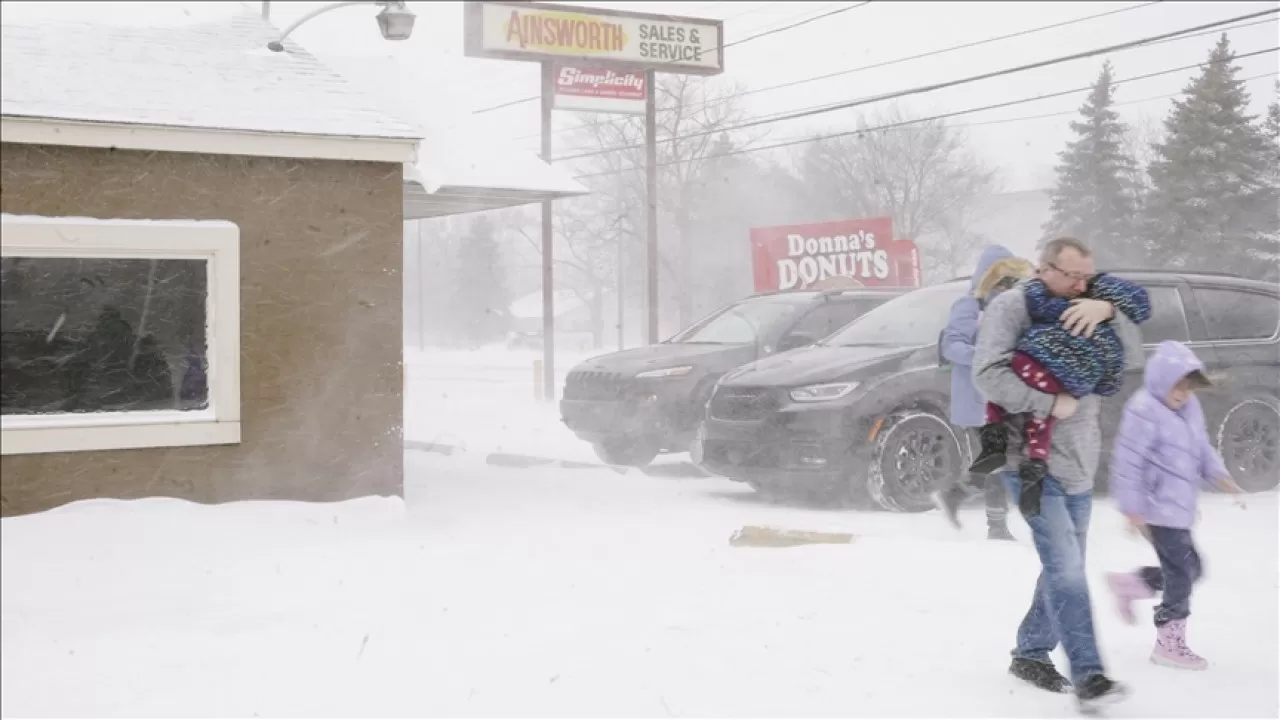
x=633, y=404
x=864, y=412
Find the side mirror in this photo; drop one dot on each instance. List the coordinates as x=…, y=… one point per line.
x=796, y=340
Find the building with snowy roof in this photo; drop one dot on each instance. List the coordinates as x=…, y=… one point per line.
x=202, y=249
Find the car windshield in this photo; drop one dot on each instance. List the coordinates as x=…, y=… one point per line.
x=743, y=322
x=911, y=320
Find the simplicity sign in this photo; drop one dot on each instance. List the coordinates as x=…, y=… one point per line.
x=595, y=38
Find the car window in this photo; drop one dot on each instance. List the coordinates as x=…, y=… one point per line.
x=744, y=322
x=829, y=317
x=1168, y=320
x=1236, y=315
x=910, y=320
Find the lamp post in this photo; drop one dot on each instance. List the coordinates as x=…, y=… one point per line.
x=395, y=21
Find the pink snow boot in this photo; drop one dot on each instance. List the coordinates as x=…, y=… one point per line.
x=1127, y=587
x=1171, y=648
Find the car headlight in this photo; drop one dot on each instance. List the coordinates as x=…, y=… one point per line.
x=824, y=392
x=666, y=372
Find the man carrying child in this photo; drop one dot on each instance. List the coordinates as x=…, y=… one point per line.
x=1060, y=609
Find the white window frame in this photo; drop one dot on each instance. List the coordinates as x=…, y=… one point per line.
x=215, y=241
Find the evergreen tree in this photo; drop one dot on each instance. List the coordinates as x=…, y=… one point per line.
x=1212, y=204
x=1271, y=128
x=1097, y=192
x=1272, y=124
x=480, y=298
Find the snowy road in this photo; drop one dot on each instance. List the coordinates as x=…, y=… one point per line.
x=574, y=592
x=498, y=592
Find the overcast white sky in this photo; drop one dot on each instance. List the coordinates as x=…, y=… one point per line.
x=430, y=75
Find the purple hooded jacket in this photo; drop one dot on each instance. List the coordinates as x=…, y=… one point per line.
x=1163, y=456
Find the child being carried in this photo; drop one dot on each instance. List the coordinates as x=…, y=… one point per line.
x=1050, y=359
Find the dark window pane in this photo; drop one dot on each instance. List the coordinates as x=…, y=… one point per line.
x=1168, y=320
x=1232, y=315
x=99, y=335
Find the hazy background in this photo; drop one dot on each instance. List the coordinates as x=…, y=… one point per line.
x=427, y=79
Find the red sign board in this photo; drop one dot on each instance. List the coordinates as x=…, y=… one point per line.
x=796, y=257
x=599, y=90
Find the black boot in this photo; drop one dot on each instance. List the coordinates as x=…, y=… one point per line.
x=1097, y=690
x=1041, y=674
x=1032, y=473
x=992, y=452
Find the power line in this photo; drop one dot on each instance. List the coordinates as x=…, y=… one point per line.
x=916, y=121
x=792, y=26
x=1065, y=113
x=932, y=87
x=887, y=63
x=998, y=121
x=718, y=48
x=782, y=115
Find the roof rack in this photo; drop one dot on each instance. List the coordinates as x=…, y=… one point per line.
x=1152, y=271
x=1157, y=271
x=878, y=289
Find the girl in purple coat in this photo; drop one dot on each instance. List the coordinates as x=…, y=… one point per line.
x=1162, y=458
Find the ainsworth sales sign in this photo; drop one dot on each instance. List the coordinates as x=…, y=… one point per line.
x=599, y=90
x=795, y=257
x=600, y=38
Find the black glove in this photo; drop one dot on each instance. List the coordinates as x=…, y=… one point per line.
x=1029, y=499
x=1031, y=473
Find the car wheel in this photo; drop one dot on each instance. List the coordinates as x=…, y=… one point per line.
x=1249, y=442
x=914, y=455
x=627, y=452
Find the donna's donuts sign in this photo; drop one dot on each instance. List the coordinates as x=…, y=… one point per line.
x=821, y=255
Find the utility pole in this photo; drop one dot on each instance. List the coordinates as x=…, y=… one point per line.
x=266, y=11
x=548, y=244
x=651, y=198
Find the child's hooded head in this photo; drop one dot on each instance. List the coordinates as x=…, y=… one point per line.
x=1174, y=374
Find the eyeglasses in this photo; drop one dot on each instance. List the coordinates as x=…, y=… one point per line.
x=1073, y=276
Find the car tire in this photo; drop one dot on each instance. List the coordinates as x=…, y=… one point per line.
x=914, y=454
x=1248, y=439
x=627, y=452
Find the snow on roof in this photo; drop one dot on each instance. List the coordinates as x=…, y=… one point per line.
x=461, y=167
x=212, y=74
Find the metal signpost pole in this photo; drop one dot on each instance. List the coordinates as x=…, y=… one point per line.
x=622, y=304
x=548, y=287
x=651, y=200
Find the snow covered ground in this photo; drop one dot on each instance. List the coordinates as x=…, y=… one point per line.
x=483, y=402
x=578, y=592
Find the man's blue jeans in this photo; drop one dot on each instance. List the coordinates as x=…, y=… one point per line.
x=1060, y=610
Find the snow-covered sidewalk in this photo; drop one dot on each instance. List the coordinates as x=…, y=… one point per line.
x=495, y=592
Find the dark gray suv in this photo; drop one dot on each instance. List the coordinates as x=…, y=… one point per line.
x=633, y=404
x=864, y=412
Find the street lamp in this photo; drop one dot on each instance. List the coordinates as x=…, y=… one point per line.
x=395, y=21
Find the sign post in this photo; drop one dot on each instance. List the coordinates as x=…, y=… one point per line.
x=610, y=48
x=651, y=206
x=548, y=248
